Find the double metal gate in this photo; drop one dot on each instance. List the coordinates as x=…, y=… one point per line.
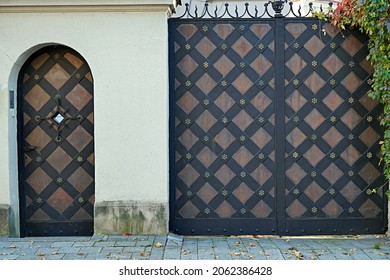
x=272, y=129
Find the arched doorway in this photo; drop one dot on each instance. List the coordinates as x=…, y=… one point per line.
x=56, y=144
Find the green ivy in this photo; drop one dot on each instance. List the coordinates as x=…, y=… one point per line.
x=373, y=18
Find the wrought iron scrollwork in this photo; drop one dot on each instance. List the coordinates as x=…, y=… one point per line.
x=272, y=9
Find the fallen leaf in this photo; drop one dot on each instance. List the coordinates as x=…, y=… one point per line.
x=127, y=234
x=235, y=253
x=54, y=253
x=238, y=242
x=158, y=245
x=107, y=254
x=312, y=257
x=41, y=254
x=252, y=245
x=80, y=254
x=12, y=246
x=143, y=254
x=295, y=253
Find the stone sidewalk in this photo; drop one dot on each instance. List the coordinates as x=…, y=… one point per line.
x=173, y=247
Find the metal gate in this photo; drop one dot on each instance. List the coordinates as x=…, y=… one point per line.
x=272, y=129
x=56, y=147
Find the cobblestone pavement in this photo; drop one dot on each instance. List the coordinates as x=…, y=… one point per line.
x=173, y=247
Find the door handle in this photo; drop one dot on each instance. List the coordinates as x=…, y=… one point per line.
x=29, y=149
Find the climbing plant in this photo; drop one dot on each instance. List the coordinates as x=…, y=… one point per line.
x=373, y=18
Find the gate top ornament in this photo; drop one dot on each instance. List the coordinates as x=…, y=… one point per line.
x=250, y=11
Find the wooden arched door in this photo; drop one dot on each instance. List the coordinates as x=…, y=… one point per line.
x=56, y=144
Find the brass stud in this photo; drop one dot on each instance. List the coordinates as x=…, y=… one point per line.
x=350, y=136
x=261, y=192
x=261, y=83
x=351, y=100
x=242, y=102
x=205, y=28
x=79, y=158
x=188, y=156
x=59, y=180
x=314, y=137
x=332, y=155
x=37, y=118
x=36, y=77
x=224, y=156
x=224, y=120
x=314, y=63
x=242, y=138
x=224, y=83
x=295, y=155
x=369, y=119
x=332, y=82
x=261, y=156
x=261, y=47
x=205, y=64
x=332, y=191
x=38, y=159
x=39, y=200
x=189, y=193
x=241, y=27
x=369, y=191
x=206, y=138
x=207, y=175
x=224, y=46
x=314, y=26
x=314, y=100
x=187, y=47
x=351, y=173
x=243, y=210
x=296, y=119
x=351, y=64
x=351, y=210
x=314, y=210
x=333, y=119
x=56, y=56
x=243, y=174
x=369, y=155
x=58, y=138
x=207, y=211
x=78, y=75
x=242, y=64
x=80, y=199
x=296, y=191
x=224, y=192
x=261, y=120
x=313, y=174
x=296, y=45
x=333, y=45
x=206, y=102
x=296, y=82
x=187, y=121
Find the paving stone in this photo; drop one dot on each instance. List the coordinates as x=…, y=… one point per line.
x=9, y=257
x=69, y=250
x=105, y=243
x=93, y=256
x=125, y=243
x=133, y=249
x=112, y=250
x=84, y=243
x=62, y=244
x=21, y=244
x=45, y=250
x=358, y=254
x=341, y=254
x=376, y=254
x=90, y=250
x=273, y=254
x=324, y=255
x=5, y=244
x=74, y=257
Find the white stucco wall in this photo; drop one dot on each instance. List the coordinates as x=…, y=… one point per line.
x=127, y=53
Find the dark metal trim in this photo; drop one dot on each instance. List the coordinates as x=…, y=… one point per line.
x=265, y=12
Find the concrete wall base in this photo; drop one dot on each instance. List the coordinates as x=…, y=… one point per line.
x=120, y=217
x=4, y=220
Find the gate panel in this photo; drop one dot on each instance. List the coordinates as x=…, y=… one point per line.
x=224, y=127
x=332, y=133
x=272, y=129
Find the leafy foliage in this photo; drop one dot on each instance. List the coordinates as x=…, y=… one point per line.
x=373, y=18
